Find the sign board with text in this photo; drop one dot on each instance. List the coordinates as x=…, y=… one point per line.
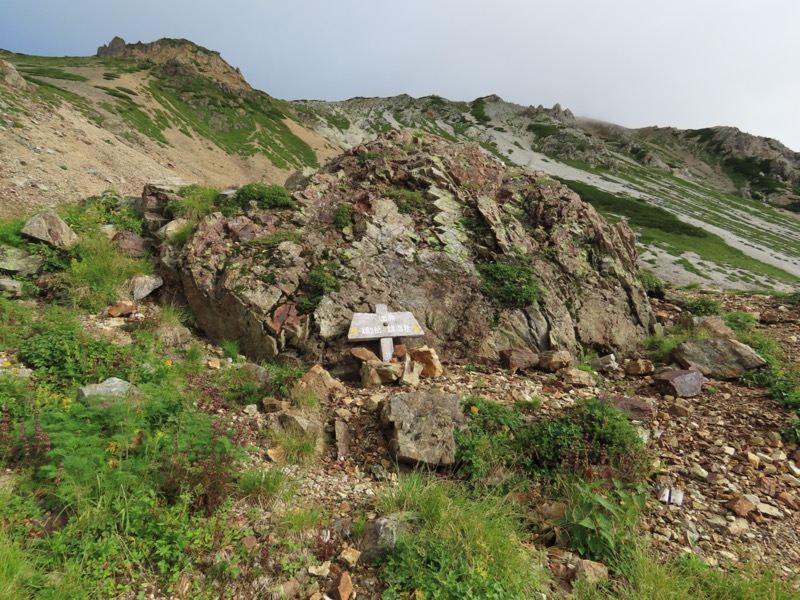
x=383, y=325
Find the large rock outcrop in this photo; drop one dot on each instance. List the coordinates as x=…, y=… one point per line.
x=427, y=218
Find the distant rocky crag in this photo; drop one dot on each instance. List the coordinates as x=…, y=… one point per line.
x=167, y=51
x=486, y=257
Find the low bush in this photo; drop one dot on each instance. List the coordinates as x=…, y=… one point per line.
x=322, y=279
x=741, y=322
x=408, y=202
x=97, y=273
x=652, y=285
x=488, y=441
x=703, y=307
x=194, y=202
x=343, y=217
x=590, y=435
x=509, y=283
x=265, y=196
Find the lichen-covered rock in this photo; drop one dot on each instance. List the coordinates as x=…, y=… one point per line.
x=420, y=427
x=18, y=262
x=432, y=221
x=719, y=358
x=49, y=228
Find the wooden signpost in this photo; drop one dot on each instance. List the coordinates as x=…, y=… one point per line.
x=383, y=325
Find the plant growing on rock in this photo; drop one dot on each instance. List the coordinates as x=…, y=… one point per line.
x=265, y=196
x=511, y=284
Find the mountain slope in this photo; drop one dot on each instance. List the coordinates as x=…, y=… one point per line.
x=708, y=205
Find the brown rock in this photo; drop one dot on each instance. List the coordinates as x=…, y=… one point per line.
x=770, y=317
x=740, y=506
x=120, y=309
x=277, y=454
x=214, y=364
x=640, y=366
x=363, y=354
x=636, y=408
x=318, y=381
x=577, y=378
x=518, y=359
x=49, y=228
x=680, y=383
x=249, y=542
x=788, y=500
x=343, y=587
x=131, y=244
x=400, y=351
x=431, y=367
x=554, y=360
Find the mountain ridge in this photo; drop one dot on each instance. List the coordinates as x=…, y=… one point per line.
x=171, y=108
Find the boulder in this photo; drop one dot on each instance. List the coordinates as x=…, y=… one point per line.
x=427, y=357
x=518, y=359
x=640, y=366
x=639, y=409
x=131, y=244
x=411, y=373
x=553, y=360
x=718, y=358
x=419, y=427
x=18, y=262
x=10, y=287
x=318, y=381
x=605, y=363
x=711, y=326
x=363, y=354
x=591, y=571
x=576, y=377
x=113, y=387
x=420, y=261
x=679, y=383
x=376, y=372
x=49, y=228
x=141, y=286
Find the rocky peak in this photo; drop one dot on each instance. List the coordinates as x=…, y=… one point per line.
x=184, y=52
x=422, y=225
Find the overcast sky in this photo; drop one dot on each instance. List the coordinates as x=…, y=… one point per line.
x=683, y=63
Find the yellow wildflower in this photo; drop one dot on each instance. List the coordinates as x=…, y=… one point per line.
x=474, y=409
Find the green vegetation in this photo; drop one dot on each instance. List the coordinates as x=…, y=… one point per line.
x=51, y=73
x=409, y=202
x=638, y=213
x=591, y=433
x=478, y=110
x=703, y=307
x=651, y=283
x=600, y=520
x=239, y=122
x=194, y=202
x=509, y=283
x=322, y=279
x=97, y=273
x=660, y=228
x=543, y=130
x=265, y=196
x=487, y=444
x=463, y=548
x=343, y=217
